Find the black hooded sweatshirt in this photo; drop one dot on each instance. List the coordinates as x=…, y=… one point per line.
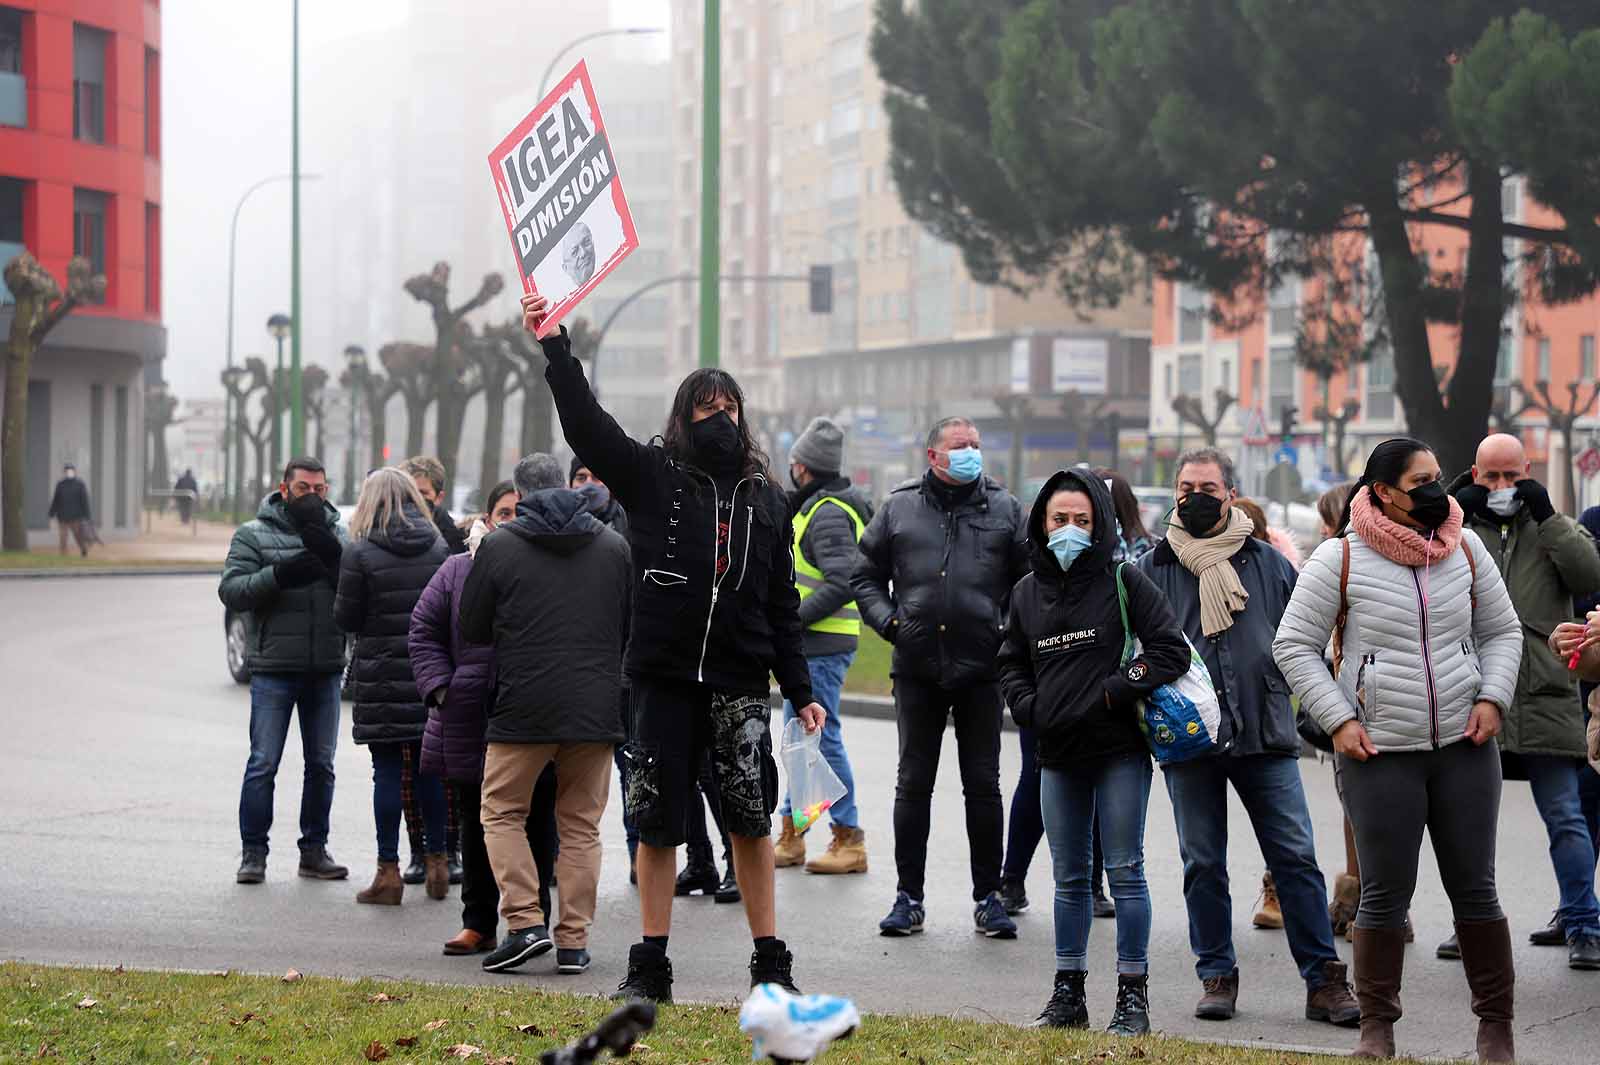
x=550, y=589
x=1060, y=664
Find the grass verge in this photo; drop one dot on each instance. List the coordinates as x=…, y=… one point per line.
x=50, y=560
x=100, y=1015
x=869, y=673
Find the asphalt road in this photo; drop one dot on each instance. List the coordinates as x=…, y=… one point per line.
x=124, y=745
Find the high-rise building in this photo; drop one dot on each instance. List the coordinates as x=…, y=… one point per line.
x=80, y=174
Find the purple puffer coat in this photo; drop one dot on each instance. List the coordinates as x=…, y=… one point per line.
x=452, y=742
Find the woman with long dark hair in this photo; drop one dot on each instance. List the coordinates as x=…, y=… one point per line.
x=1133, y=539
x=1427, y=648
x=715, y=616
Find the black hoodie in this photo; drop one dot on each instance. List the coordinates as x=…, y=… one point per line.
x=550, y=589
x=1060, y=665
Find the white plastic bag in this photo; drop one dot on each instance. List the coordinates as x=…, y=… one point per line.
x=789, y=1027
x=813, y=785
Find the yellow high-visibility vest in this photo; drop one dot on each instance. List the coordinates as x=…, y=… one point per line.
x=846, y=621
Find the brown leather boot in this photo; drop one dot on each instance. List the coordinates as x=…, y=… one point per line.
x=469, y=941
x=846, y=854
x=1486, y=956
x=387, y=888
x=1380, y=963
x=438, y=875
x=790, y=850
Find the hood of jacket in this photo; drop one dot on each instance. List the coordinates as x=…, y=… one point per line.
x=559, y=519
x=598, y=500
x=409, y=537
x=1100, y=552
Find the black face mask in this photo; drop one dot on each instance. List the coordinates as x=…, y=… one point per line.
x=1430, y=505
x=1199, y=513
x=716, y=443
x=306, y=510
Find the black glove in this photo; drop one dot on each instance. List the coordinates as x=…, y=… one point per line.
x=1474, y=499
x=323, y=542
x=1536, y=497
x=307, y=510
x=299, y=571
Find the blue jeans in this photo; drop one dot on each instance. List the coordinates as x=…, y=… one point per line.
x=273, y=698
x=1117, y=794
x=1555, y=793
x=827, y=682
x=428, y=789
x=1269, y=786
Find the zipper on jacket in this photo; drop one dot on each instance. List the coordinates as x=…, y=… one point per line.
x=716, y=581
x=1427, y=661
x=749, y=531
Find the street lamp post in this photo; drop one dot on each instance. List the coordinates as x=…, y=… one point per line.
x=711, y=186
x=233, y=382
x=356, y=357
x=279, y=326
x=630, y=31
x=297, y=414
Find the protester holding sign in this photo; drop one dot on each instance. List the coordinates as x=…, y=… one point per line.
x=715, y=613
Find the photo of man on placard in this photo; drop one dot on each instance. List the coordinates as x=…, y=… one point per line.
x=577, y=254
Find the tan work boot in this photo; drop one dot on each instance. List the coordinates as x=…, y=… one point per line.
x=1346, y=901
x=387, y=888
x=790, y=849
x=846, y=854
x=1268, y=914
x=438, y=875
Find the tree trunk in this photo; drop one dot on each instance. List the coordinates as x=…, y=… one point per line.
x=538, y=430
x=494, y=434
x=160, y=465
x=1570, y=468
x=1414, y=383
x=14, y=426
x=1483, y=308
x=378, y=427
x=322, y=441
x=416, y=417
x=260, y=445
x=450, y=409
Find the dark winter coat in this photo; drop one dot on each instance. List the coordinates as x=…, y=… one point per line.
x=287, y=630
x=455, y=677
x=550, y=590
x=1257, y=715
x=1061, y=664
x=728, y=631
x=71, y=500
x=455, y=538
x=380, y=580
x=951, y=556
x=830, y=545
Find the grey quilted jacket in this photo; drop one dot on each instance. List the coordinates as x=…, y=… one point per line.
x=1410, y=676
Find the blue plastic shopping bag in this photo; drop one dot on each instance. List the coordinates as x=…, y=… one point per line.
x=1180, y=720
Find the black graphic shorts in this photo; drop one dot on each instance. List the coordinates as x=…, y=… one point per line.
x=674, y=726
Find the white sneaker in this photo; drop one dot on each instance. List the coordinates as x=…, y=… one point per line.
x=795, y=1027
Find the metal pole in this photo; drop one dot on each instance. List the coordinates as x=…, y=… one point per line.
x=710, y=188
x=238, y=453
x=277, y=410
x=297, y=414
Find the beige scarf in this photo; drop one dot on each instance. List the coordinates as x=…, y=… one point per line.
x=1221, y=594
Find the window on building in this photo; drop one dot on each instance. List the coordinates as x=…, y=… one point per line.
x=905, y=241
x=13, y=86
x=871, y=186
x=1255, y=381
x=152, y=102
x=11, y=195
x=736, y=162
x=1586, y=358
x=736, y=335
x=89, y=209
x=872, y=248
x=1169, y=395
x=1281, y=373
x=736, y=102
x=845, y=117
x=89, y=104
x=903, y=306
x=980, y=300
x=1543, y=373
x=1505, y=363
x=152, y=258
x=1380, y=386
x=1191, y=314
x=1283, y=308
x=1191, y=375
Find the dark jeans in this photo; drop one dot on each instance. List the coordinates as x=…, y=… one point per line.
x=1027, y=820
x=273, y=698
x=1269, y=786
x=413, y=815
x=1556, y=793
x=706, y=785
x=1453, y=793
x=480, y=895
x=921, y=711
x=386, y=802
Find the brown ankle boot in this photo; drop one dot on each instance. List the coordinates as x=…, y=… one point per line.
x=1346, y=901
x=790, y=850
x=438, y=875
x=846, y=854
x=387, y=888
x=1380, y=963
x=1486, y=956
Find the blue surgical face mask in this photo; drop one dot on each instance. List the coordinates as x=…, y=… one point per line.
x=1068, y=542
x=966, y=465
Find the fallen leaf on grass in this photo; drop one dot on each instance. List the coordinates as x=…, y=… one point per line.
x=434, y=1026
x=463, y=1050
x=406, y=1041
x=529, y=1029
x=293, y=976
x=383, y=996
x=246, y=1019
x=510, y=1059
x=87, y=1003
x=375, y=1051
x=46, y=1051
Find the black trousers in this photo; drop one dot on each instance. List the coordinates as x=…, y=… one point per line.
x=922, y=710
x=480, y=895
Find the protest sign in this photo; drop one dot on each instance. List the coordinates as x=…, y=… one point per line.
x=562, y=198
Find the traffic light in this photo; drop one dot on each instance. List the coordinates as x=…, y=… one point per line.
x=822, y=290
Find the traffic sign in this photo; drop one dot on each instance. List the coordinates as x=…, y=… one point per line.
x=1287, y=456
x=1588, y=461
x=1255, y=428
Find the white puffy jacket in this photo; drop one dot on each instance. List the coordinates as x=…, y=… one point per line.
x=1411, y=676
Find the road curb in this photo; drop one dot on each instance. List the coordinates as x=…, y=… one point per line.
x=197, y=570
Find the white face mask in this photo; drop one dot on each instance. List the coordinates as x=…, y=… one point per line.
x=1504, y=502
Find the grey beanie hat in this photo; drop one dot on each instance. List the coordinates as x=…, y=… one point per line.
x=820, y=448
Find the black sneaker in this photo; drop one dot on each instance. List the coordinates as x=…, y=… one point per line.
x=517, y=948
x=699, y=875
x=317, y=864
x=1132, y=1016
x=773, y=965
x=991, y=919
x=1068, y=1007
x=905, y=919
x=1450, y=949
x=252, y=868
x=728, y=890
x=1583, y=954
x=416, y=872
x=1552, y=935
x=572, y=962
x=1014, y=897
x=457, y=874
x=649, y=976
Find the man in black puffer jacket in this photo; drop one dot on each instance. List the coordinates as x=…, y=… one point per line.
x=951, y=544
x=280, y=574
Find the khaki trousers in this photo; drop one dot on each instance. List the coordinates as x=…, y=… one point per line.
x=583, y=783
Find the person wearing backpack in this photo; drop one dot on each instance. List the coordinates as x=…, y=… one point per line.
x=1063, y=673
x=1426, y=647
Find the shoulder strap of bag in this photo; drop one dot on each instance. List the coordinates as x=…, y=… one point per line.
x=1472, y=567
x=1127, y=626
x=1344, y=606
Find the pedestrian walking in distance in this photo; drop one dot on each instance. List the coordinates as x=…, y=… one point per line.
x=550, y=591
x=186, y=483
x=715, y=615
x=934, y=579
x=69, y=506
x=280, y=575
x=1063, y=674
x=1426, y=651
x=1229, y=590
x=394, y=554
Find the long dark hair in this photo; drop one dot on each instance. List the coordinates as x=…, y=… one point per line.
x=1386, y=465
x=504, y=488
x=703, y=386
x=1126, y=506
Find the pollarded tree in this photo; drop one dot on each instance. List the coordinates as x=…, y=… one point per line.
x=451, y=385
x=1082, y=141
x=313, y=393
x=411, y=375
x=498, y=377
x=160, y=414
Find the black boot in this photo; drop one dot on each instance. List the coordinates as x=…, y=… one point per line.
x=416, y=872
x=773, y=964
x=252, y=867
x=728, y=890
x=1068, y=1007
x=1133, y=1007
x=317, y=864
x=699, y=873
x=456, y=872
x=649, y=976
